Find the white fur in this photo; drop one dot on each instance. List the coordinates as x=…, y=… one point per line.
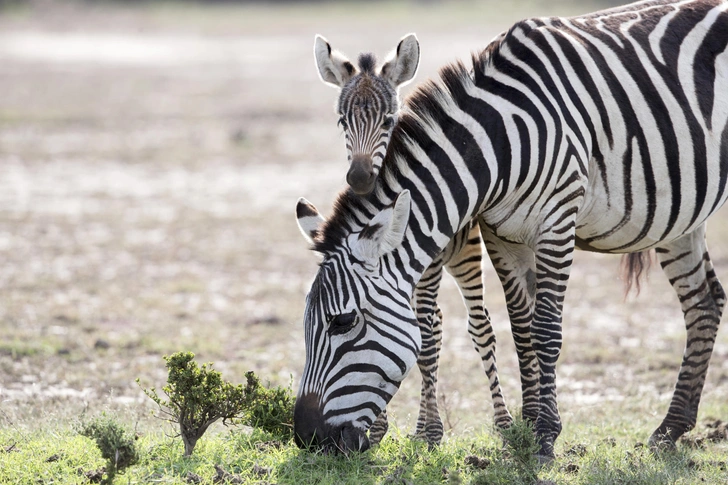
x=330, y=63
x=388, y=237
x=309, y=225
x=402, y=63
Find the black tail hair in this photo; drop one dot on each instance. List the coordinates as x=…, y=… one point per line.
x=634, y=266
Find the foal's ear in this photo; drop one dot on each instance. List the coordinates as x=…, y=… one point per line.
x=385, y=231
x=333, y=67
x=401, y=65
x=309, y=219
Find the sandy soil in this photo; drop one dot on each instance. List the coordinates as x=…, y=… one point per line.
x=150, y=162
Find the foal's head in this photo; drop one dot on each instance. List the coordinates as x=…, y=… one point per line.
x=368, y=103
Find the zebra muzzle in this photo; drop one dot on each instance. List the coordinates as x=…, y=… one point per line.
x=352, y=439
x=361, y=176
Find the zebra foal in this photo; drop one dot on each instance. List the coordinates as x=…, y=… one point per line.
x=606, y=132
x=368, y=108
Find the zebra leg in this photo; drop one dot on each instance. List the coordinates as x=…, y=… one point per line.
x=687, y=265
x=516, y=269
x=466, y=268
x=379, y=428
x=554, y=255
x=429, y=318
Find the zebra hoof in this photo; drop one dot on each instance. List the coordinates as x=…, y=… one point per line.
x=546, y=454
x=544, y=459
x=664, y=438
x=660, y=443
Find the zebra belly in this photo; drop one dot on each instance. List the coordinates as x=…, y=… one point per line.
x=619, y=220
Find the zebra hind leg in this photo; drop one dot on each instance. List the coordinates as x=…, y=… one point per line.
x=688, y=267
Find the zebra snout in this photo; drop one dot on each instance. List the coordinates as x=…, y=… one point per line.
x=361, y=174
x=312, y=433
x=308, y=425
x=352, y=439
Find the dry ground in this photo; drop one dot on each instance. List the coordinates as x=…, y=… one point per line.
x=150, y=161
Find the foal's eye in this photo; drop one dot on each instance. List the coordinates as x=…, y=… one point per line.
x=388, y=122
x=341, y=324
x=342, y=122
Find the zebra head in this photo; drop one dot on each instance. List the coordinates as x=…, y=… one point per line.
x=368, y=103
x=361, y=334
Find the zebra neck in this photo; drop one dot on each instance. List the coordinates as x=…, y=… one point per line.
x=449, y=149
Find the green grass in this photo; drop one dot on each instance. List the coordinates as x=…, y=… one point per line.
x=63, y=456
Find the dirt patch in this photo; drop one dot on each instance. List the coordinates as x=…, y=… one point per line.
x=716, y=432
x=477, y=462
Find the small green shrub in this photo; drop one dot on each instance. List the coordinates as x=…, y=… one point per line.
x=516, y=463
x=522, y=446
x=198, y=396
x=117, y=444
x=269, y=409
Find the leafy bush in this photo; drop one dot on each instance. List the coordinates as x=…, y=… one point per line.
x=198, y=396
x=269, y=409
x=117, y=444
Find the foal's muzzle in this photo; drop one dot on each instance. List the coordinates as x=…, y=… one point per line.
x=361, y=176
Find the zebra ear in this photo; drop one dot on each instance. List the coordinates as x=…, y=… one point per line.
x=309, y=219
x=385, y=231
x=333, y=67
x=401, y=65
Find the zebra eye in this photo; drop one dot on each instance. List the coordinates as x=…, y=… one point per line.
x=341, y=324
x=388, y=122
x=342, y=122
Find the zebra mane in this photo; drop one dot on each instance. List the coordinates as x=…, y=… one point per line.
x=427, y=105
x=367, y=62
x=338, y=226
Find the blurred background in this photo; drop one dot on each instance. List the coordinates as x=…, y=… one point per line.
x=151, y=155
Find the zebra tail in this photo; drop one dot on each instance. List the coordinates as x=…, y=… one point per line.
x=635, y=266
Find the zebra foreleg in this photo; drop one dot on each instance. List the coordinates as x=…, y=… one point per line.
x=466, y=268
x=688, y=267
x=379, y=428
x=515, y=266
x=429, y=318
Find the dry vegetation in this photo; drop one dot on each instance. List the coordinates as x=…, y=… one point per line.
x=150, y=161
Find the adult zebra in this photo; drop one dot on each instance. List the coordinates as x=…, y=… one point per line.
x=607, y=132
x=368, y=107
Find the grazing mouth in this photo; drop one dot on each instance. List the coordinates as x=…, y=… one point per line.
x=345, y=440
x=349, y=439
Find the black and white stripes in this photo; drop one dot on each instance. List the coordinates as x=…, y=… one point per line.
x=607, y=132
